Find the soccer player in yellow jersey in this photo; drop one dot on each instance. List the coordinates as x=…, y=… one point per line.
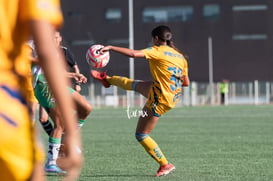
x=20, y=156
x=169, y=70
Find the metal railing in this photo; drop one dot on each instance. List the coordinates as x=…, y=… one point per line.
x=256, y=92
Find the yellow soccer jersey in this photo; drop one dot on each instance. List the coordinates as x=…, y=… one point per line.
x=18, y=148
x=14, y=32
x=167, y=67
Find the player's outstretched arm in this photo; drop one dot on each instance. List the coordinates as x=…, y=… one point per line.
x=53, y=69
x=124, y=51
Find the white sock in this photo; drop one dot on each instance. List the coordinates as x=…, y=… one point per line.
x=53, y=152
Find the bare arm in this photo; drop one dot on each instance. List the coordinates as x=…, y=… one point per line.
x=47, y=51
x=80, y=78
x=76, y=69
x=78, y=84
x=124, y=51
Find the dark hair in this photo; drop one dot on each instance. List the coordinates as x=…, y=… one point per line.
x=164, y=34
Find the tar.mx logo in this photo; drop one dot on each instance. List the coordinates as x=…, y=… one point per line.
x=132, y=113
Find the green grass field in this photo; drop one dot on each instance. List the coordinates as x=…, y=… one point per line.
x=204, y=143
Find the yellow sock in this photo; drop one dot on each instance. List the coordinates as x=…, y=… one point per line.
x=122, y=82
x=153, y=149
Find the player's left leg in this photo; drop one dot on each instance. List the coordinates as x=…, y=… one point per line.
x=144, y=127
x=44, y=120
x=54, y=143
x=48, y=102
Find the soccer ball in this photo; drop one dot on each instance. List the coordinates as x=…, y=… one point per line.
x=95, y=59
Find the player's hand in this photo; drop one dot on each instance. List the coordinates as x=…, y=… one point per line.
x=80, y=78
x=105, y=49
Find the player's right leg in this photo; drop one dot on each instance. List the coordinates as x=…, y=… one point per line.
x=125, y=83
x=100, y=76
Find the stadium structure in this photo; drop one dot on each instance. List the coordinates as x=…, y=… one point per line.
x=239, y=33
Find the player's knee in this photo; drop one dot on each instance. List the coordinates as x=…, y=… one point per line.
x=86, y=111
x=141, y=136
x=143, y=87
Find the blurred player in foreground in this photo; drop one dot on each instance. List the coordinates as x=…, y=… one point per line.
x=20, y=156
x=169, y=70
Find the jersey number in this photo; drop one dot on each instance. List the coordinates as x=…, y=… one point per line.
x=176, y=78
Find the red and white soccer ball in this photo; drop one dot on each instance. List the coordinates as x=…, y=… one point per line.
x=95, y=59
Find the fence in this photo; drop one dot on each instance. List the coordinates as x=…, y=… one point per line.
x=256, y=92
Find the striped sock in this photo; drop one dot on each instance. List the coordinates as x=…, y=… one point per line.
x=48, y=127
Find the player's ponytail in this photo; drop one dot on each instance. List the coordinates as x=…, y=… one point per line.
x=164, y=34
